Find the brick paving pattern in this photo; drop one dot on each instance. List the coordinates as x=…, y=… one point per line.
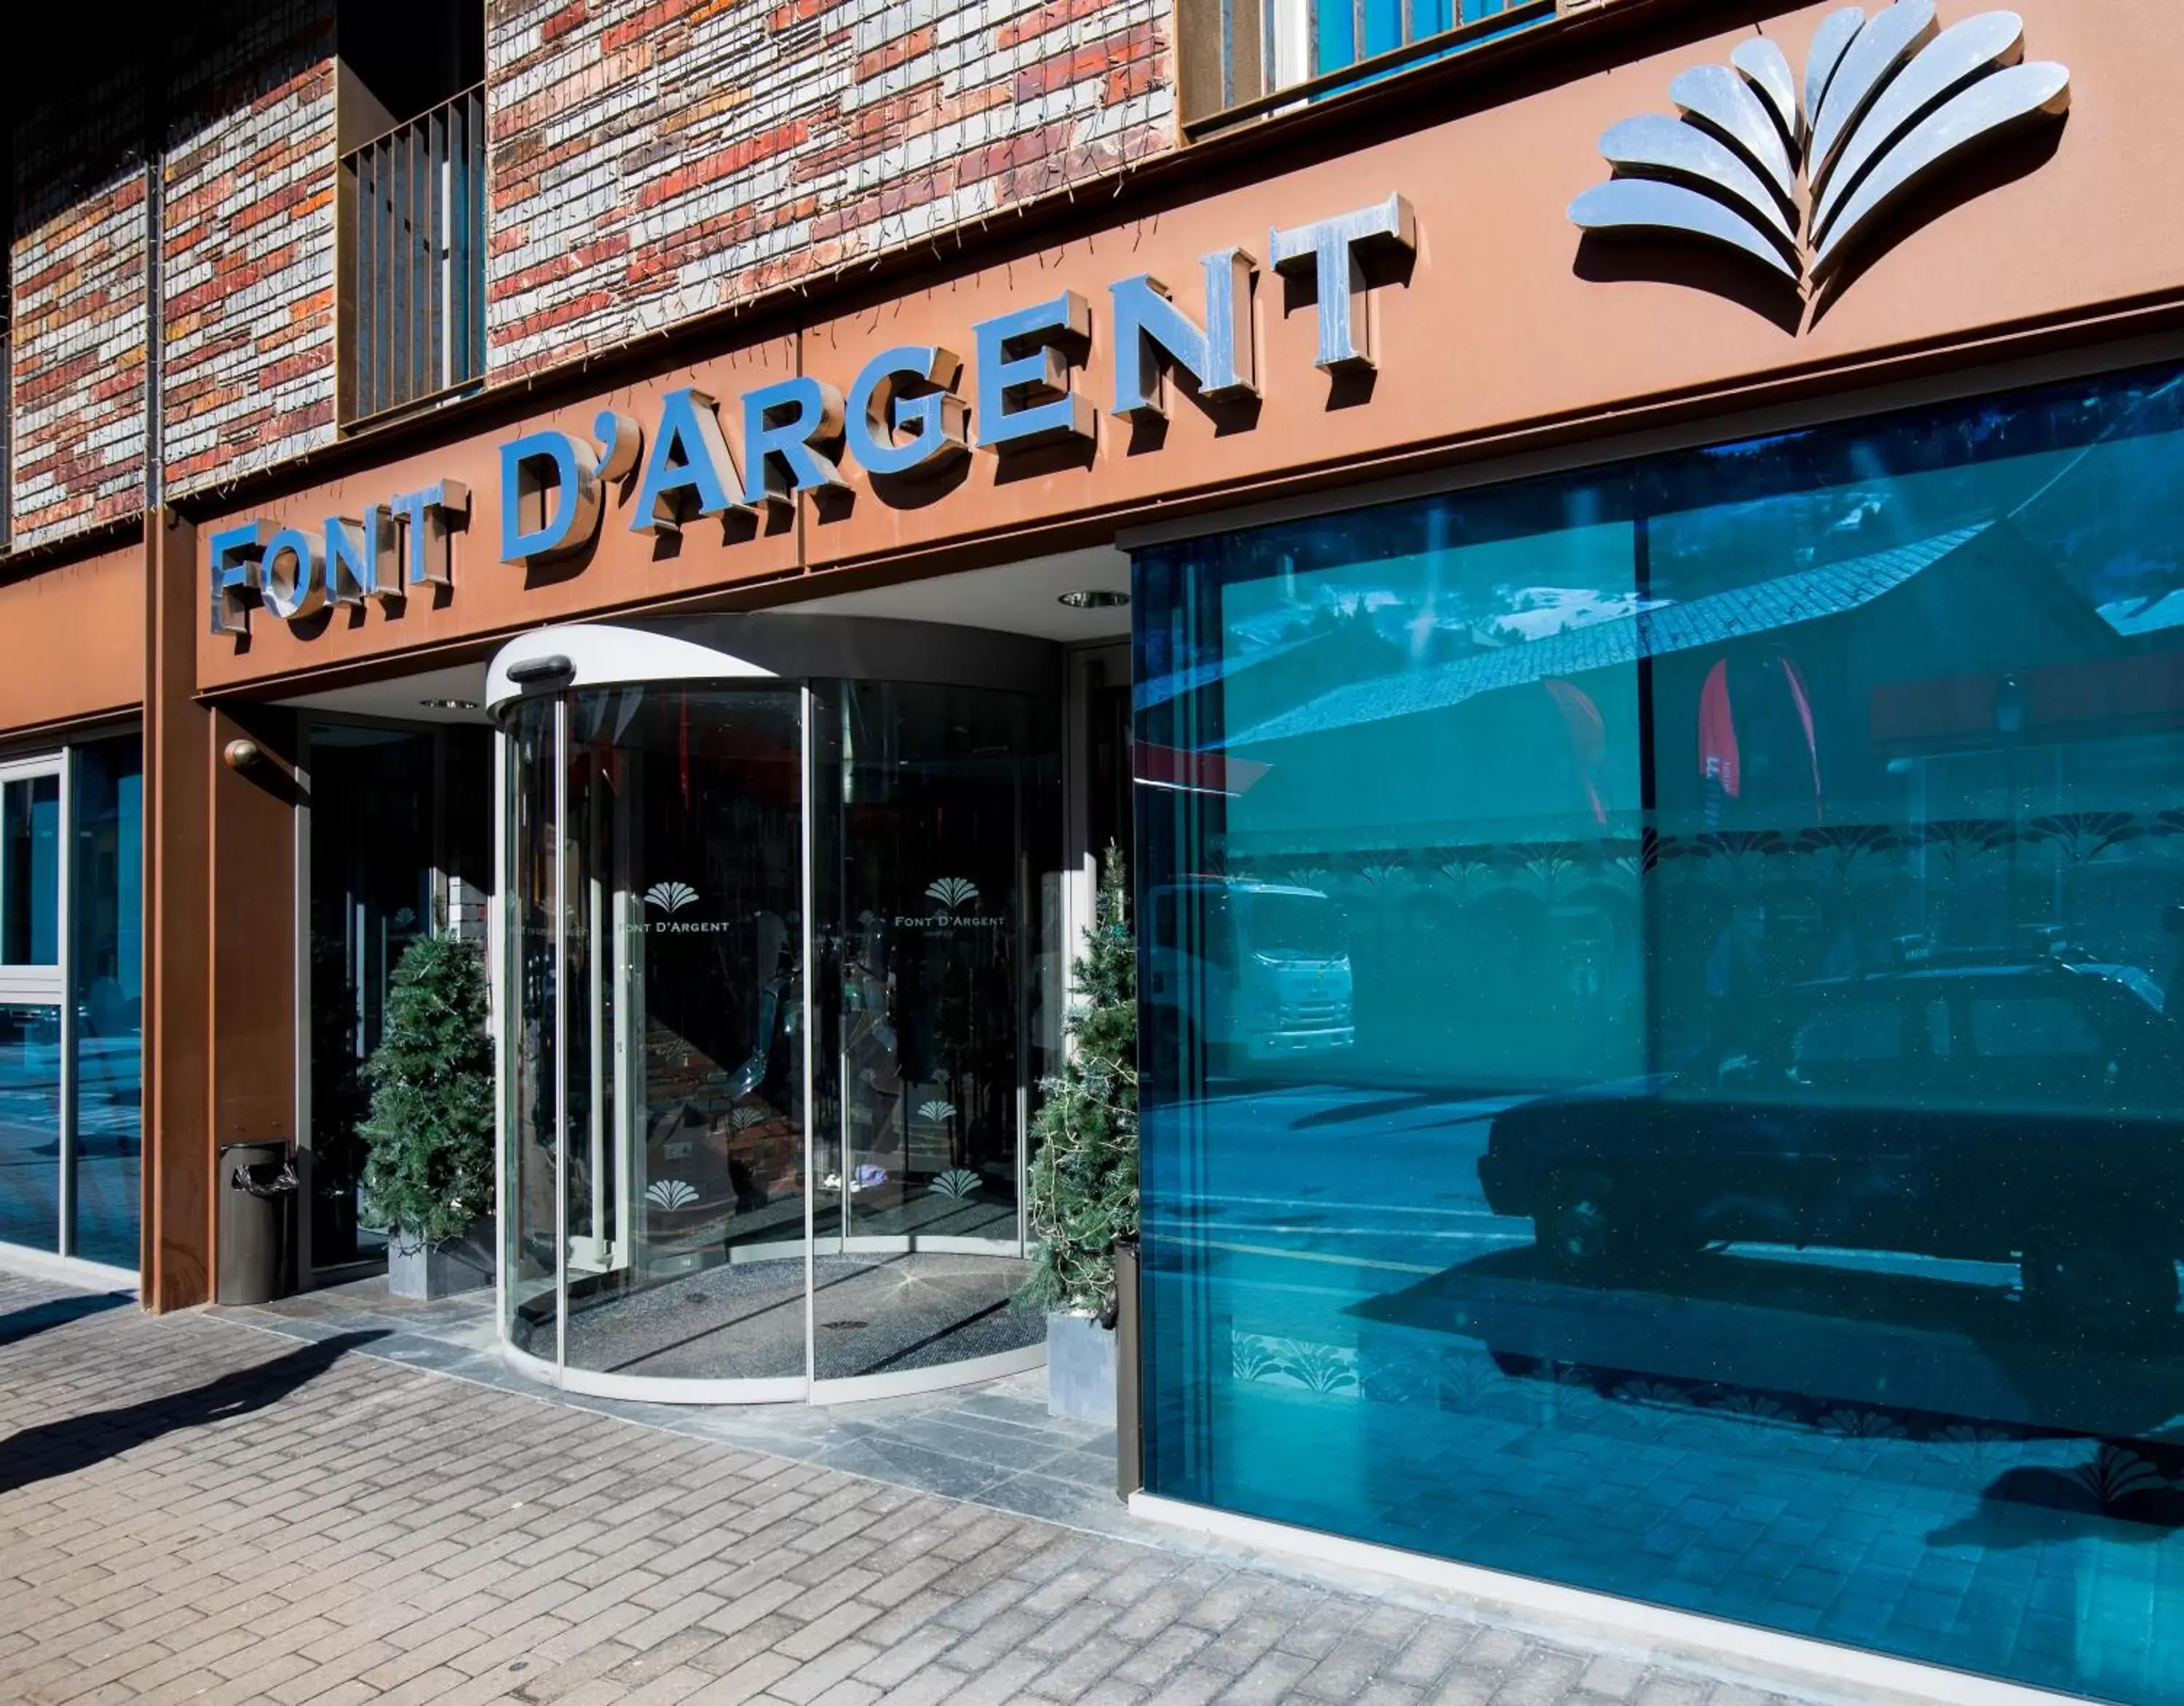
x=193, y=1510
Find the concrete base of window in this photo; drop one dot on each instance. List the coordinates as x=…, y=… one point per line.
x=1759, y=1656
x=67, y=1270
x=1080, y=1369
x=461, y=1264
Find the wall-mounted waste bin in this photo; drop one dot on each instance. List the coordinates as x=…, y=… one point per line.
x=257, y=1220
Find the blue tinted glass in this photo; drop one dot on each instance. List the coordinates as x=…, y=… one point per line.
x=1661, y=1070
x=107, y=807
x=30, y=1126
x=1336, y=22
x=30, y=871
x=1384, y=26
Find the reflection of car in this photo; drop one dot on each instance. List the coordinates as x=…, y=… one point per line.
x=1972, y=1107
x=1255, y=971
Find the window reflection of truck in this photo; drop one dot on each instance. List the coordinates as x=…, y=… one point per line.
x=1976, y=1106
x=1250, y=972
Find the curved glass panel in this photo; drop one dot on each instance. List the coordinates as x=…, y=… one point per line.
x=1663, y=1061
x=677, y=1216
x=685, y=1213
x=530, y=1211
x=929, y=885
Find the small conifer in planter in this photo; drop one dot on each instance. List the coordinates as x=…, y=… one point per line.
x=1084, y=1183
x=428, y=1170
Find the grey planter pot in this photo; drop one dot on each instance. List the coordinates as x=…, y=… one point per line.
x=463, y=1264
x=1080, y=1369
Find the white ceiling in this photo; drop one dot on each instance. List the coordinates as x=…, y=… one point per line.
x=405, y=697
x=1014, y=598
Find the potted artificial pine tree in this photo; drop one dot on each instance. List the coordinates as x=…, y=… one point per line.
x=429, y=1142
x=1084, y=1190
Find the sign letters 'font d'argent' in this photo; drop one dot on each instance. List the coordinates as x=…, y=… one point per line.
x=907, y=416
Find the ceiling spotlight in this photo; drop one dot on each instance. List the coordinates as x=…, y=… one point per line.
x=449, y=704
x=1094, y=598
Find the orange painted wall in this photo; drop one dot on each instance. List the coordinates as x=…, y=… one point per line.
x=72, y=639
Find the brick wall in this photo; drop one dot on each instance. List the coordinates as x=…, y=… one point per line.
x=247, y=112
x=76, y=275
x=654, y=160
x=248, y=259
x=650, y=161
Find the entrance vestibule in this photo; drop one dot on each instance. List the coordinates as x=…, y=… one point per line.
x=397, y=841
x=783, y=961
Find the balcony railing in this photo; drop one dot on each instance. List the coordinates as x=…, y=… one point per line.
x=1247, y=58
x=413, y=303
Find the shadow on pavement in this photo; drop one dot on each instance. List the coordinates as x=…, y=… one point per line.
x=25, y=1323
x=62, y=1448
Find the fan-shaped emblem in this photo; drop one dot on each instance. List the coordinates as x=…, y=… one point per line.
x=670, y=897
x=671, y=1193
x=952, y=891
x=958, y=1182
x=937, y=1110
x=1797, y=175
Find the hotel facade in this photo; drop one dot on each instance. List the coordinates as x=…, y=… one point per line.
x=1616, y=569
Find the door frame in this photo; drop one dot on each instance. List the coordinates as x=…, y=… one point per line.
x=309, y=1277
x=1090, y=665
x=50, y=985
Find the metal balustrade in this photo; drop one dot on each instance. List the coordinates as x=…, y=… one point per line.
x=1244, y=59
x=413, y=230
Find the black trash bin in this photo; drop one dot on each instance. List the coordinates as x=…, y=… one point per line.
x=256, y=1218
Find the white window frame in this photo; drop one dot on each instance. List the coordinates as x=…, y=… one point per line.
x=48, y=985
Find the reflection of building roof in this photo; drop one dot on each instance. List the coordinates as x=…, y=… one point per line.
x=1159, y=689
x=1245, y=885
x=1738, y=613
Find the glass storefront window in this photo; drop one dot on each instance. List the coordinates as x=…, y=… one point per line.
x=1664, y=1061
x=71, y=1001
x=30, y=870
x=107, y=919
x=30, y=1126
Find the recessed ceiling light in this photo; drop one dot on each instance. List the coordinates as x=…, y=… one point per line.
x=449, y=704
x=1094, y=598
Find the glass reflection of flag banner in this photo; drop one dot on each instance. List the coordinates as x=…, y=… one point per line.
x=1717, y=755
x=1193, y=773
x=1588, y=735
x=1803, y=700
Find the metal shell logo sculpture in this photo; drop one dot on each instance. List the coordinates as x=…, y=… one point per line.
x=1796, y=176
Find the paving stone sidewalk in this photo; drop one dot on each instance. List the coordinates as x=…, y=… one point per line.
x=194, y=1510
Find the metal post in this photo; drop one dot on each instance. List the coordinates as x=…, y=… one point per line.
x=561, y=965
x=65, y=1086
x=1129, y=1405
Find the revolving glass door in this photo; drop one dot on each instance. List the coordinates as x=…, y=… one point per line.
x=726, y=1179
